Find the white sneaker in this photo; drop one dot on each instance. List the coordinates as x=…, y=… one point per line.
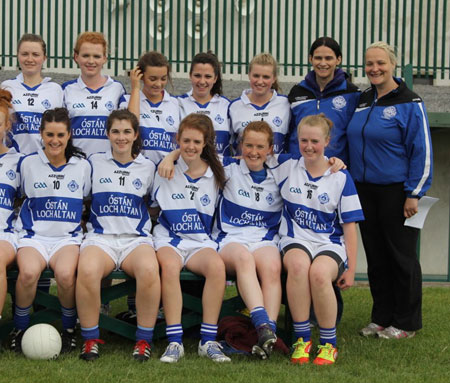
x=392, y=332
x=213, y=351
x=174, y=352
x=371, y=329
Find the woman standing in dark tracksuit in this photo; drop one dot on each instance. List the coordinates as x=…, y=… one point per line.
x=391, y=164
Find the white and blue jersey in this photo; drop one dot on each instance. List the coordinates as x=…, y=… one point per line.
x=29, y=103
x=158, y=124
x=315, y=208
x=9, y=185
x=119, y=195
x=54, y=196
x=88, y=110
x=276, y=113
x=217, y=110
x=187, y=206
x=248, y=210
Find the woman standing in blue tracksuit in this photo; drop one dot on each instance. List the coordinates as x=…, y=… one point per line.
x=326, y=89
x=391, y=164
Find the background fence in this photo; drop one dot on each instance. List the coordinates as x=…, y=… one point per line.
x=235, y=30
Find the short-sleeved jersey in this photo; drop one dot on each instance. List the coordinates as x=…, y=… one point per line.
x=9, y=185
x=54, y=196
x=119, y=195
x=247, y=211
x=29, y=103
x=277, y=113
x=89, y=109
x=315, y=208
x=187, y=205
x=158, y=125
x=217, y=110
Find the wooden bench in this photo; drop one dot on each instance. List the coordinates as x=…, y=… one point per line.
x=51, y=311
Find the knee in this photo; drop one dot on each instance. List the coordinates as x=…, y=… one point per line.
x=245, y=261
x=318, y=278
x=147, y=274
x=65, y=278
x=216, y=270
x=87, y=276
x=28, y=276
x=170, y=270
x=298, y=268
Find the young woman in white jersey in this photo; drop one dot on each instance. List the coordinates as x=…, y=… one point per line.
x=55, y=181
x=183, y=235
x=92, y=96
x=248, y=217
x=261, y=102
x=32, y=94
x=247, y=220
x=157, y=111
x=205, y=97
x=9, y=184
x=318, y=237
x=119, y=235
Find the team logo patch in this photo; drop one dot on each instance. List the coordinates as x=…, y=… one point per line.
x=11, y=175
x=72, y=186
x=46, y=104
x=270, y=200
x=137, y=183
x=389, y=112
x=339, y=102
x=205, y=200
x=277, y=121
x=170, y=120
x=109, y=106
x=219, y=119
x=323, y=198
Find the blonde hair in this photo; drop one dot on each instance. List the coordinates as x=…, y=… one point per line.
x=267, y=59
x=319, y=120
x=390, y=50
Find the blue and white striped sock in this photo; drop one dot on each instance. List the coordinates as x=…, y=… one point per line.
x=327, y=335
x=259, y=316
x=21, y=317
x=302, y=330
x=69, y=317
x=273, y=325
x=144, y=333
x=90, y=332
x=175, y=333
x=208, y=332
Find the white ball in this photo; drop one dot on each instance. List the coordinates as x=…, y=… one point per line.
x=41, y=341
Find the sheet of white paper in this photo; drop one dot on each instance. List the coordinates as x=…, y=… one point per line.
x=418, y=219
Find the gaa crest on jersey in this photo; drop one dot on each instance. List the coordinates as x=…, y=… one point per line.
x=137, y=183
x=277, y=121
x=170, y=120
x=109, y=106
x=339, y=102
x=323, y=198
x=205, y=201
x=219, y=119
x=72, y=186
x=270, y=200
x=46, y=104
x=389, y=112
x=11, y=174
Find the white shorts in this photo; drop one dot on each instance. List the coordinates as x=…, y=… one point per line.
x=250, y=246
x=48, y=246
x=11, y=238
x=336, y=252
x=186, y=248
x=118, y=247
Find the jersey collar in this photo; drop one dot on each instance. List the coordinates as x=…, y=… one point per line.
x=183, y=167
x=138, y=160
x=246, y=100
x=301, y=163
x=82, y=85
x=21, y=80
x=45, y=160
